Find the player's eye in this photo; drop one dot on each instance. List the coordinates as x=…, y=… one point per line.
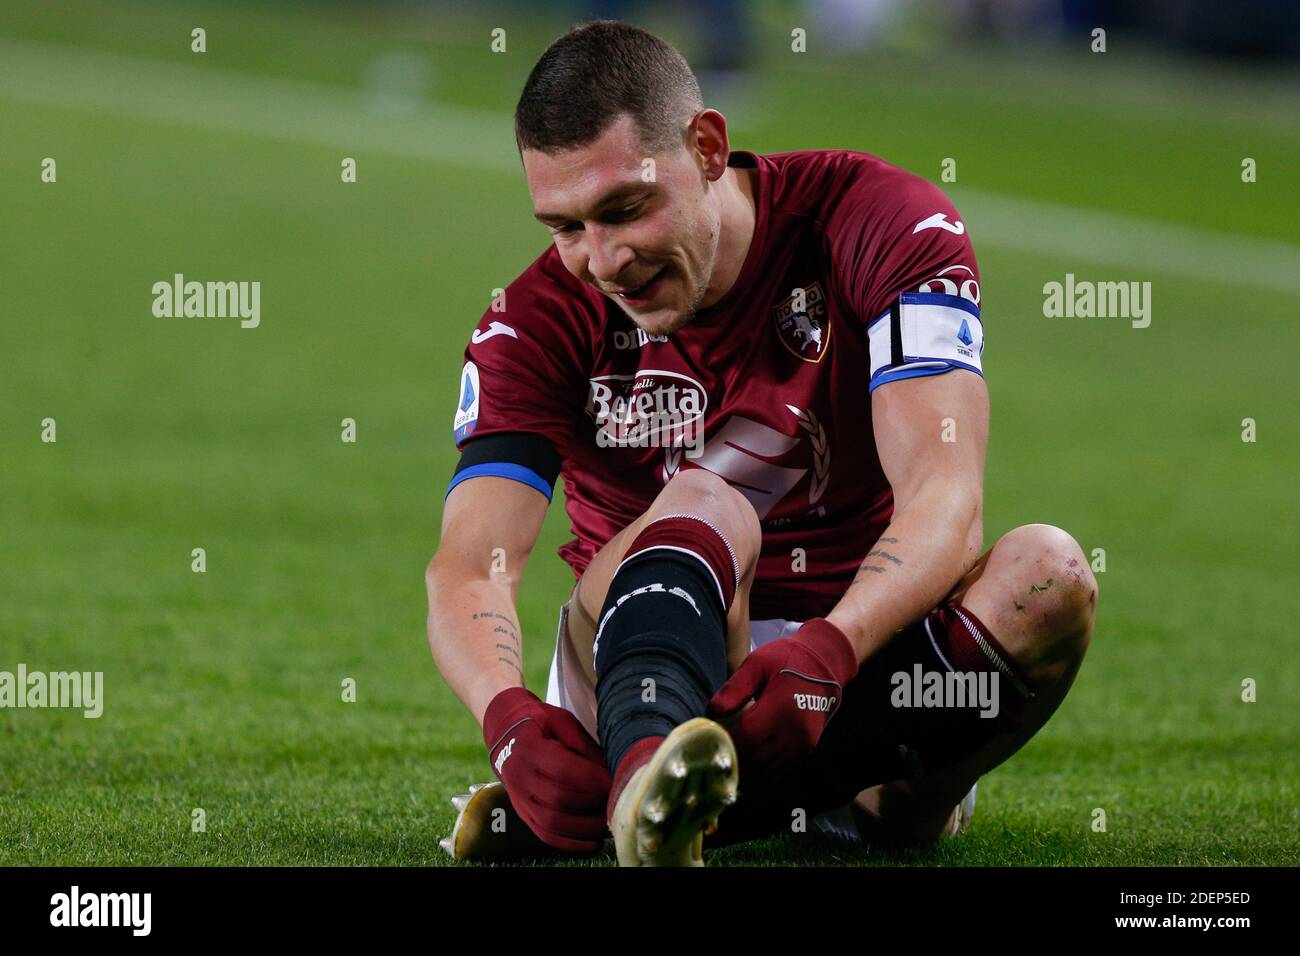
x=624, y=214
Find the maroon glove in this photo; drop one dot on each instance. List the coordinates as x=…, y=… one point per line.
x=553, y=772
x=797, y=684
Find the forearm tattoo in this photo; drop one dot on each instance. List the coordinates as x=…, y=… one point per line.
x=879, y=560
x=507, y=640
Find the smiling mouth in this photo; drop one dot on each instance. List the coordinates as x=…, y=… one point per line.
x=639, y=293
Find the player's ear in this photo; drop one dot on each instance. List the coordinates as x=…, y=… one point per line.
x=707, y=139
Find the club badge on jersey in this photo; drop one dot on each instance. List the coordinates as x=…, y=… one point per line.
x=802, y=323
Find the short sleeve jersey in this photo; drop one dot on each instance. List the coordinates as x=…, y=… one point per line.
x=859, y=274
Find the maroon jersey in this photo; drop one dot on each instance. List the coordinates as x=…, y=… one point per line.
x=858, y=274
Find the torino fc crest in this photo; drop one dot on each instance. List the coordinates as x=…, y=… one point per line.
x=802, y=323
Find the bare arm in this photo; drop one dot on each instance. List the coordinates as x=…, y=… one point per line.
x=937, y=530
x=489, y=527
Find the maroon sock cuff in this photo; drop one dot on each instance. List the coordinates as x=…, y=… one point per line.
x=699, y=537
x=967, y=645
x=636, y=755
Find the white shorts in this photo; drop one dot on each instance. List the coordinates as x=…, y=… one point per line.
x=568, y=687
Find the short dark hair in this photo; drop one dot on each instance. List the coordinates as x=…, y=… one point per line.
x=597, y=72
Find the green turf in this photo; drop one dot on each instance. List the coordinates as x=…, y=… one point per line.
x=223, y=688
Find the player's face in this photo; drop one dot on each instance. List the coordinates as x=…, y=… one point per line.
x=644, y=234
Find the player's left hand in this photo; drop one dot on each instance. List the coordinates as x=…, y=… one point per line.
x=797, y=684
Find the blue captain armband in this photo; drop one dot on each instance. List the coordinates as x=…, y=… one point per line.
x=925, y=333
x=520, y=456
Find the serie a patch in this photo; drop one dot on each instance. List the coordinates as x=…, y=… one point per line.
x=925, y=333
x=466, y=417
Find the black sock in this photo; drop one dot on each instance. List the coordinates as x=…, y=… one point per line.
x=660, y=648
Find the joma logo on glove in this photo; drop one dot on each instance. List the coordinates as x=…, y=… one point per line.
x=813, y=702
x=505, y=752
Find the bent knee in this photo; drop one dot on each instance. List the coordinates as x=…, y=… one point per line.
x=1053, y=588
x=699, y=491
x=1064, y=567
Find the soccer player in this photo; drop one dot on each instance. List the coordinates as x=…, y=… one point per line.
x=761, y=379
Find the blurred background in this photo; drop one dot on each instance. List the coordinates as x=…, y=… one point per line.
x=1165, y=150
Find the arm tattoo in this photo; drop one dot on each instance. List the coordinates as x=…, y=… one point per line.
x=512, y=657
x=883, y=555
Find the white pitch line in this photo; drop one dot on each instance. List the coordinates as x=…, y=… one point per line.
x=317, y=114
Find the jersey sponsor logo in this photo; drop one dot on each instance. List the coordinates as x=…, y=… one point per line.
x=462, y=426
x=814, y=702
x=802, y=323
x=504, y=755
x=496, y=328
x=954, y=280
x=651, y=409
x=940, y=221
x=624, y=340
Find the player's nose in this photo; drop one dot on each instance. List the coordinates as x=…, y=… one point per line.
x=607, y=257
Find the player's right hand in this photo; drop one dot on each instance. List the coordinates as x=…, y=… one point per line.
x=553, y=771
